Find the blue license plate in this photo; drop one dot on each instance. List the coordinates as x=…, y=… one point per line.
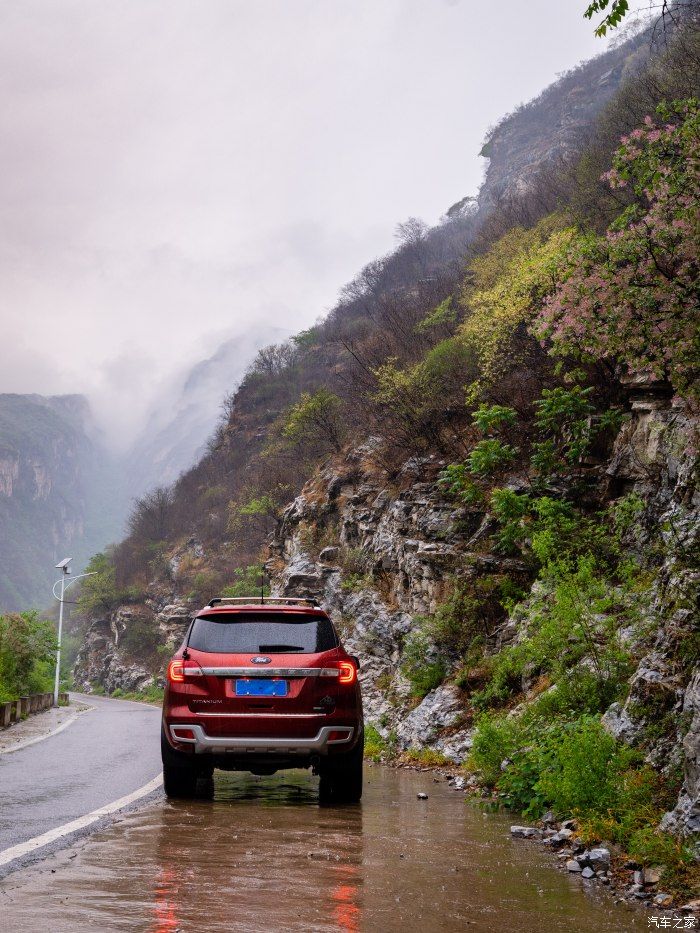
x=260, y=687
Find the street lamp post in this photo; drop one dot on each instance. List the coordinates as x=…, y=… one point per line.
x=65, y=571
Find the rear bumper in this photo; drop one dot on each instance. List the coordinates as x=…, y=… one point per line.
x=255, y=745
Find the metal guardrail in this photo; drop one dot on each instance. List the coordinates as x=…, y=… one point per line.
x=19, y=709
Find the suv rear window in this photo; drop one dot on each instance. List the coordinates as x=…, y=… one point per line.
x=262, y=633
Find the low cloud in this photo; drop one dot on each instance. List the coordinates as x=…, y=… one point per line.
x=172, y=173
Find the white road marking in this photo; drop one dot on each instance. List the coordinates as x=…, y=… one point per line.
x=40, y=738
x=24, y=848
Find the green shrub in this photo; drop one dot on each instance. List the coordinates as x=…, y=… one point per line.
x=472, y=607
x=582, y=773
x=430, y=757
x=377, y=747
x=496, y=739
x=443, y=316
x=151, y=694
x=573, y=617
x=518, y=785
x=491, y=418
x=246, y=582
x=356, y=572
x=572, y=767
x=577, y=691
x=27, y=655
x=564, y=414
x=489, y=456
x=456, y=481
x=626, y=512
x=421, y=665
x=505, y=672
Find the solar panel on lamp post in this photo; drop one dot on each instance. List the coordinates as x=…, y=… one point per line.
x=65, y=571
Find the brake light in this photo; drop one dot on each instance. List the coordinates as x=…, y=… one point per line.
x=178, y=670
x=348, y=672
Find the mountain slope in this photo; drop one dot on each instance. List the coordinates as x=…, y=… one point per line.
x=57, y=493
x=178, y=429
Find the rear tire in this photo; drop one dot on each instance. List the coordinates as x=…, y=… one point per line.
x=180, y=775
x=341, y=776
x=179, y=783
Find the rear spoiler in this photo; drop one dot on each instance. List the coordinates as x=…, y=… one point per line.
x=263, y=601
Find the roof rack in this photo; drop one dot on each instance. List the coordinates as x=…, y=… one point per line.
x=262, y=601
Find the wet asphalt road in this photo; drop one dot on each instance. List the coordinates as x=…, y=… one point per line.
x=109, y=752
x=261, y=856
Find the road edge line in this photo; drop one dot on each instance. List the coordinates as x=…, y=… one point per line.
x=38, y=842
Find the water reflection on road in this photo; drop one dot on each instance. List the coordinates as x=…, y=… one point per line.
x=263, y=856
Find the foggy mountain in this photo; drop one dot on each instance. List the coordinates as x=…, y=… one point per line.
x=63, y=493
x=60, y=495
x=179, y=426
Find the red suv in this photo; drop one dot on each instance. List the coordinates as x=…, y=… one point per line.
x=258, y=686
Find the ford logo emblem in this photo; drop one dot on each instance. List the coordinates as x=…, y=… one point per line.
x=260, y=659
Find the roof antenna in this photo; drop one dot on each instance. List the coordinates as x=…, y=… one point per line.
x=262, y=584
x=186, y=652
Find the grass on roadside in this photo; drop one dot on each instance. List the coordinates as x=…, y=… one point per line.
x=152, y=694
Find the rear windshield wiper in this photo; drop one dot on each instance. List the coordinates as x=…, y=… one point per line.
x=280, y=648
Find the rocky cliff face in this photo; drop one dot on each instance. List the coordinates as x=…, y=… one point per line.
x=392, y=551
x=113, y=655
x=379, y=556
x=554, y=125
x=656, y=454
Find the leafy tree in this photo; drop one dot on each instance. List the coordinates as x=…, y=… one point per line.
x=100, y=593
x=491, y=418
x=261, y=511
x=442, y=317
x=306, y=339
x=503, y=289
x=632, y=296
x=415, y=402
x=27, y=646
x=456, y=481
x=150, y=517
x=421, y=663
x=564, y=415
x=316, y=421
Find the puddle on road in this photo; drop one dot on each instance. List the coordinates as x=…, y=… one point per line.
x=263, y=856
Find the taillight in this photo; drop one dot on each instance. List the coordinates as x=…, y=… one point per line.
x=179, y=670
x=176, y=671
x=348, y=672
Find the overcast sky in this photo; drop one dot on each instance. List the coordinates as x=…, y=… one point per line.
x=173, y=171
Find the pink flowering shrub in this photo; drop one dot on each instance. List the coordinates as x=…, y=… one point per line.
x=632, y=296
